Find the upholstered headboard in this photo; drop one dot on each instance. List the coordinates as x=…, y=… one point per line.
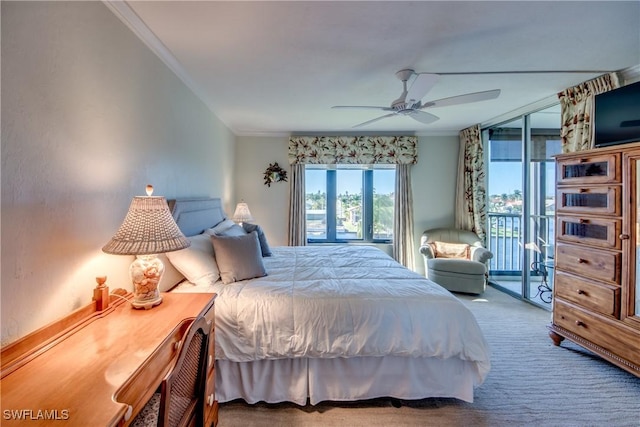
x=193, y=216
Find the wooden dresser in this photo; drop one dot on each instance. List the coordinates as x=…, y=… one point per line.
x=99, y=368
x=596, y=293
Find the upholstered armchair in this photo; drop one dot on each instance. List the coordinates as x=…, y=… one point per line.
x=455, y=259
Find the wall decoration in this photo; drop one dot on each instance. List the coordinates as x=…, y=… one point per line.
x=274, y=173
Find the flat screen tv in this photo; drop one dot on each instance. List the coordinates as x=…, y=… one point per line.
x=617, y=116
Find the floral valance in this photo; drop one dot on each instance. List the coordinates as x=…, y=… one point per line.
x=364, y=150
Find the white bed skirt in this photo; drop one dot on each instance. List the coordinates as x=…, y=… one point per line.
x=341, y=379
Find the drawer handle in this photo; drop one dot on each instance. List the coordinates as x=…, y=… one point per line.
x=624, y=237
x=582, y=261
x=581, y=292
x=584, y=221
x=584, y=190
x=580, y=323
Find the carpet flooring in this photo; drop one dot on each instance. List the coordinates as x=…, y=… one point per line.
x=531, y=383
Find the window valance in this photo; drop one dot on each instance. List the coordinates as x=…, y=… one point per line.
x=363, y=150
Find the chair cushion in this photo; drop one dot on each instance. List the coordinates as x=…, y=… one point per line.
x=458, y=266
x=451, y=250
x=150, y=414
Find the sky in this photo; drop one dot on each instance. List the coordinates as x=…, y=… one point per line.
x=351, y=181
x=503, y=178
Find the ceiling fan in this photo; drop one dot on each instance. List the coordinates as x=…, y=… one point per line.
x=410, y=101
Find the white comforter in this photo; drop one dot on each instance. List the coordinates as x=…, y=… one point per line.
x=342, y=301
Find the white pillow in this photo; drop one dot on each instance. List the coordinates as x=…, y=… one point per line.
x=197, y=262
x=226, y=228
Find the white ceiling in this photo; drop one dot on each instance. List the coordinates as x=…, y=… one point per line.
x=272, y=68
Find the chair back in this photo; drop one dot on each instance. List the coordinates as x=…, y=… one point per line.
x=183, y=388
x=451, y=235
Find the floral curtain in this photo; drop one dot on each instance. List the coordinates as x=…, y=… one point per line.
x=471, y=205
x=363, y=150
x=576, y=105
x=403, y=249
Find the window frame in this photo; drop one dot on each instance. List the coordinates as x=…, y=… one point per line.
x=331, y=191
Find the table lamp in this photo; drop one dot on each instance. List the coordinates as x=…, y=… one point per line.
x=242, y=213
x=147, y=230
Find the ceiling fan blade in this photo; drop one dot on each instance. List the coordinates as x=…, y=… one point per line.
x=423, y=116
x=369, y=107
x=420, y=86
x=463, y=99
x=368, y=122
x=480, y=73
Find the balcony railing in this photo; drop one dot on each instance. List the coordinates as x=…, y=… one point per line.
x=504, y=239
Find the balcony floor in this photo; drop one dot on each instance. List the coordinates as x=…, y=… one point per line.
x=539, y=294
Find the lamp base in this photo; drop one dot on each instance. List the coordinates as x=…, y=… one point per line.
x=147, y=304
x=146, y=272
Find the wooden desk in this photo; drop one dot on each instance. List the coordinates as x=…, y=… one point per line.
x=102, y=372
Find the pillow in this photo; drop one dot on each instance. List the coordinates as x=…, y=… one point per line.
x=451, y=250
x=239, y=257
x=264, y=246
x=226, y=228
x=196, y=262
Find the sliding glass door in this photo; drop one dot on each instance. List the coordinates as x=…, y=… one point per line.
x=521, y=181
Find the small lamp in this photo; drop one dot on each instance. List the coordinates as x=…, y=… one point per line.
x=242, y=213
x=147, y=230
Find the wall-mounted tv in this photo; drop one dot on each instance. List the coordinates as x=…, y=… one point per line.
x=617, y=116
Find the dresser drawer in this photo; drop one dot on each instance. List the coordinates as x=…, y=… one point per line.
x=602, y=200
x=590, y=168
x=596, y=264
x=602, y=232
x=139, y=388
x=591, y=295
x=608, y=334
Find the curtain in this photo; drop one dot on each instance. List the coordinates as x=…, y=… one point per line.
x=471, y=207
x=576, y=105
x=362, y=150
x=403, y=249
x=297, y=219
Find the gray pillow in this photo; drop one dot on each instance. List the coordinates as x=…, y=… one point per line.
x=264, y=246
x=226, y=228
x=238, y=257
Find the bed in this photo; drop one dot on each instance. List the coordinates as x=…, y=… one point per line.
x=339, y=323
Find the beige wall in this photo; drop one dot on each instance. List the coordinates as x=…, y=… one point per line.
x=433, y=183
x=89, y=116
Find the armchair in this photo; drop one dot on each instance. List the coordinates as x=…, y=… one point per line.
x=455, y=259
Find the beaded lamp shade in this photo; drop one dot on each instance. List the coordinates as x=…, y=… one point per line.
x=242, y=213
x=147, y=230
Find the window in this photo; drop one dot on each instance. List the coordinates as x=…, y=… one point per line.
x=346, y=203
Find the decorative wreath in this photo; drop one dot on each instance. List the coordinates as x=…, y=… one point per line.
x=274, y=173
